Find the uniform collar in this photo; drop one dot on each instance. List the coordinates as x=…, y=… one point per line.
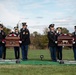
x=52, y=31
x=59, y=32
x=16, y=32
x=24, y=28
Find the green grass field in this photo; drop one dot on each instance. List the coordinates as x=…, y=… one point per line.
x=18, y=69
x=35, y=54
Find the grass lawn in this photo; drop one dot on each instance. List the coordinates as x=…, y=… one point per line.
x=35, y=54
x=39, y=69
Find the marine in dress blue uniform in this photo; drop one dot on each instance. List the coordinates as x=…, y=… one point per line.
x=25, y=38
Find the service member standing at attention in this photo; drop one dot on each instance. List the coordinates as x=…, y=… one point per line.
x=2, y=37
x=74, y=43
x=25, y=38
x=52, y=42
x=4, y=47
x=59, y=48
x=17, y=49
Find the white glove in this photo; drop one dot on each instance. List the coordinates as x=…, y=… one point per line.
x=10, y=35
x=3, y=42
x=73, y=42
x=55, y=41
x=20, y=41
x=14, y=34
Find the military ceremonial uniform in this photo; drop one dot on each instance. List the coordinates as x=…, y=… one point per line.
x=4, y=48
x=59, y=48
x=2, y=37
x=52, y=43
x=25, y=38
x=17, y=49
x=74, y=44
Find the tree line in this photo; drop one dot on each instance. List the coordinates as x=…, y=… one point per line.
x=39, y=41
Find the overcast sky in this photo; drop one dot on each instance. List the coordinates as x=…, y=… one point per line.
x=38, y=13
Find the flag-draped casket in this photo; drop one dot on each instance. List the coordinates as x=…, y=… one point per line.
x=65, y=40
x=12, y=40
